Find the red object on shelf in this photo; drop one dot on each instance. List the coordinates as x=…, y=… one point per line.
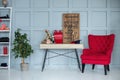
x=4, y=27
x=5, y=50
x=58, y=37
x=0, y=20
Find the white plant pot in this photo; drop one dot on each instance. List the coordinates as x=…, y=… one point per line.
x=24, y=66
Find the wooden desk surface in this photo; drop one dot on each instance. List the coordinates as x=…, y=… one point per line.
x=61, y=46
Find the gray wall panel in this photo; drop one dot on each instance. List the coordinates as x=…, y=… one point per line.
x=96, y=17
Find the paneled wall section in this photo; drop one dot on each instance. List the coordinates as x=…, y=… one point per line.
x=96, y=17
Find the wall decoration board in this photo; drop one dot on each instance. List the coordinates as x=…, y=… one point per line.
x=71, y=30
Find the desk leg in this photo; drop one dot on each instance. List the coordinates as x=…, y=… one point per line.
x=77, y=59
x=44, y=59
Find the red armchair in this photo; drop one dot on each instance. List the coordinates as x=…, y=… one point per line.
x=99, y=51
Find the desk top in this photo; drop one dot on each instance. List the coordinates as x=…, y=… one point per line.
x=61, y=46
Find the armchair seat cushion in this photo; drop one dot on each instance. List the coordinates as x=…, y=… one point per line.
x=95, y=56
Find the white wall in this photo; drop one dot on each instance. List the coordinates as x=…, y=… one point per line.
x=96, y=17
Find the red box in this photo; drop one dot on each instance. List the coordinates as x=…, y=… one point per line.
x=58, y=37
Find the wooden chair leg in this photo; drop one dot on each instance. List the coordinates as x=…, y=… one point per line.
x=105, y=69
x=83, y=67
x=93, y=66
x=108, y=68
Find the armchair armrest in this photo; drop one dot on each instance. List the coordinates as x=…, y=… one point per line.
x=86, y=51
x=109, y=52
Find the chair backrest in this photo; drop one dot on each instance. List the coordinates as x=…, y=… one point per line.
x=101, y=43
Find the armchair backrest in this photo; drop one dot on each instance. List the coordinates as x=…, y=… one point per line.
x=101, y=43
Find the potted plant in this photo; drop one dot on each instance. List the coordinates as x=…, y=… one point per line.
x=21, y=48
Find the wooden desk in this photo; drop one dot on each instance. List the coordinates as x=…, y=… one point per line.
x=61, y=46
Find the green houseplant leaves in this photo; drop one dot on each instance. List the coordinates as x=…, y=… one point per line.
x=21, y=48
